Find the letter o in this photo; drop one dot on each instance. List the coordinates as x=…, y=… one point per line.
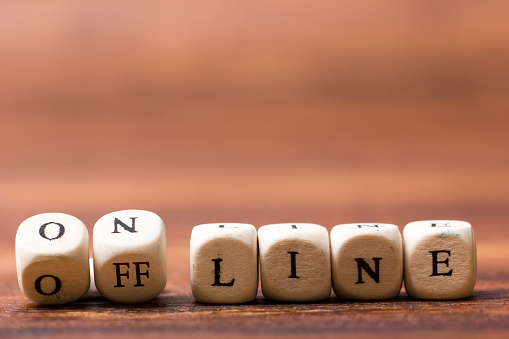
x=61, y=230
x=58, y=284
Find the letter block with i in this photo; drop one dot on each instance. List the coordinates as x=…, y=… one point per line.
x=130, y=256
x=295, y=262
x=440, y=259
x=224, y=263
x=52, y=258
x=367, y=261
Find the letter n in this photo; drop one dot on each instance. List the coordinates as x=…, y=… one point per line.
x=130, y=229
x=363, y=265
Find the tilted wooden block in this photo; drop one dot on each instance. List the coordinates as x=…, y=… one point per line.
x=440, y=259
x=130, y=256
x=295, y=262
x=367, y=261
x=52, y=258
x=224, y=263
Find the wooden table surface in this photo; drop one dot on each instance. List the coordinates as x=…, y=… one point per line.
x=263, y=112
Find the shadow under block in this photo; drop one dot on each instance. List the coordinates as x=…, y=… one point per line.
x=130, y=256
x=224, y=263
x=295, y=262
x=440, y=259
x=52, y=258
x=367, y=261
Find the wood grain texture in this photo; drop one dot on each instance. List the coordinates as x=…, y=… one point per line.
x=266, y=112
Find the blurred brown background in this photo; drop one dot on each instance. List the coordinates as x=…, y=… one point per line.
x=263, y=112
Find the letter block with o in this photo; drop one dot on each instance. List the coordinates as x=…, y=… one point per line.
x=130, y=256
x=295, y=262
x=224, y=263
x=440, y=259
x=52, y=258
x=367, y=261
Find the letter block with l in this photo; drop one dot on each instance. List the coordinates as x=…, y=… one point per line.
x=367, y=261
x=440, y=259
x=52, y=258
x=224, y=263
x=130, y=256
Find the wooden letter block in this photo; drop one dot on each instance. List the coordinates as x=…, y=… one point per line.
x=224, y=263
x=440, y=259
x=52, y=258
x=130, y=256
x=367, y=261
x=295, y=262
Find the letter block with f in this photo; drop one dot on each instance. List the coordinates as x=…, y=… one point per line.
x=130, y=256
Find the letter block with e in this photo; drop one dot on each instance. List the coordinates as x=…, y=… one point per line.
x=130, y=256
x=224, y=263
x=295, y=262
x=52, y=258
x=440, y=259
x=367, y=261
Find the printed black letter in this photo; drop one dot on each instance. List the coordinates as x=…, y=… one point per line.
x=293, y=265
x=127, y=228
x=119, y=275
x=361, y=226
x=440, y=225
x=138, y=274
x=434, y=255
x=363, y=265
x=217, y=274
x=58, y=284
x=42, y=230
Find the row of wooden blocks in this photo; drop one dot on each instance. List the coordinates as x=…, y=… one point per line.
x=297, y=262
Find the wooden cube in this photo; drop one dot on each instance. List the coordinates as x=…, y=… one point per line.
x=295, y=262
x=130, y=256
x=52, y=258
x=440, y=259
x=367, y=261
x=224, y=263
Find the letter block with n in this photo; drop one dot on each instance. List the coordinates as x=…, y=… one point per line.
x=52, y=258
x=224, y=263
x=440, y=259
x=367, y=261
x=130, y=256
x=295, y=262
